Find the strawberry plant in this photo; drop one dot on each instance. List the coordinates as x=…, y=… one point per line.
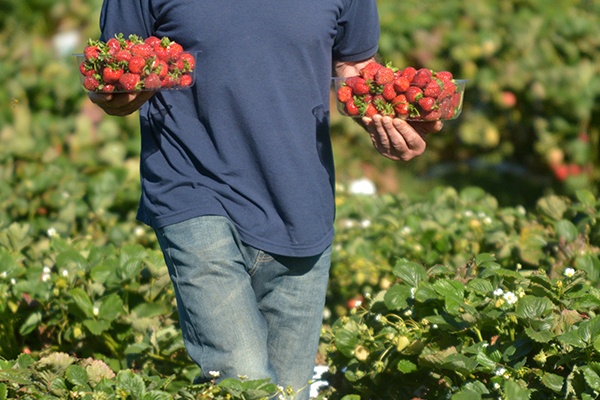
x=479, y=332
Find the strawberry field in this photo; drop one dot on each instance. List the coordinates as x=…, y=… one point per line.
x=471, y=272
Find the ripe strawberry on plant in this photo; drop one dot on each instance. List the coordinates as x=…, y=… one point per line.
x=368, y=71
x=129, y=82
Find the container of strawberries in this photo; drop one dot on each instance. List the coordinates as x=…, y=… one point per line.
x=122, y=65
x=410, y=94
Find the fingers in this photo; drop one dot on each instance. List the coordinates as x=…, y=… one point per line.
x=120, y=104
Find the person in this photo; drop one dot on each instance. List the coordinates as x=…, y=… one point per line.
x=237, y=172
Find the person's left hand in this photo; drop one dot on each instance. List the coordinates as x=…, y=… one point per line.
x=397, y=139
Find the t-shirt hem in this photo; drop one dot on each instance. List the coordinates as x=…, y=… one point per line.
x=363, y=55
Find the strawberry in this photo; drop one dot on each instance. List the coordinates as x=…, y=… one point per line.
x=161, y=52
x=433, y=115
x=152, y=81
x=446, y=107
x=426, y=103
x=169, y=81
x=91, y=52
x=369, y=70
x=361, y=87
x=456, y=99
x=384, y=75
x=413, y=94
x=188, y=61
x=444, y=76
x=107, y=88
x=137, y=64
x=114, y=46
x=370, y=110
x=401, y=83
x=141, y=50
x=152, y=41
x=86, y=69
x=389, y=93
x=185, y=80
x=350, y=108
x=111, y=74
x=350, y=82
x=91, y=83
x=123, y=56
x=400, y=105
x=176, y=65
x=160, y=67
x=422, y=77
x=447, y=91
x=432, y=89
x=129, y=82
x=174, y=49
x=344, y=94
x=409, y=73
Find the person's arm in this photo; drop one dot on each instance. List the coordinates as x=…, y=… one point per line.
x=394, y=138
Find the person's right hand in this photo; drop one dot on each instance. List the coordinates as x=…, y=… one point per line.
x=120, y=104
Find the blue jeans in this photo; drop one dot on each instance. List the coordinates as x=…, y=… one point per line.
x=244, y=312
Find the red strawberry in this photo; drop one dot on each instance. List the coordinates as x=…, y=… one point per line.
x=86, y=69
x=91, y=52
x=361, y=87
x=152, y=41
x=456, y=99
x=413, y=94
x=444, y=76
x=111, y=74
x=188, y=61
x=389, y=93
x=344, y=94
x=177, y=65
x=136, y=65
x=422, y=77
x=174, y=49
x=433, y=115
x=185, y=80
x=409, y=73
x=91, y=83
x=350, y=108
x=123, y=56
x=161, y=52
x=152, y=81
x=384, y=75
x=426, y=103
x=447, y=109
x=400, y=105
x=369, y=70
x=448, y=90
x=113, y=46
x=352, y=81
x=129, y=82
x=141, y=50
x=432, y=89
x=160, y=67
x=107, y=88
x=169, y=81
x=370, y=110
x=401, y=83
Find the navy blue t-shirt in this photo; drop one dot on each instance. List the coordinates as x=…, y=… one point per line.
x=250, y=140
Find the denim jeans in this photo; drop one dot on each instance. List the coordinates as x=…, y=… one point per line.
x=244, y=312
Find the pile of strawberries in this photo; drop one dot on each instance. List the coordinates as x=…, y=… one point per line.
x=411, y=94
x=134, y=64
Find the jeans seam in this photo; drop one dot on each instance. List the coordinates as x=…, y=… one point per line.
x=260, y=258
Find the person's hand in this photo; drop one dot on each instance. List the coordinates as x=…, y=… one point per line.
x=397, y=139
x=120, y=104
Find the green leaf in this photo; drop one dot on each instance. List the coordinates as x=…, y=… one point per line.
x=410, y=272
x=531, y=307
x=137, y=348
x=572, y=338
x=460, y=363
x=351, y=397
x=480, y=286
x=32, y=322
x=77, y=376
x=128, y=380
x=589, y=330
x=485, y=260
x=157, y=395
x=396, y=297
x=450, y=288
x=567, y=230
x=542, y=336
x=149, y=310
x=82, y=301
x=25, y=361
x=552, y=206
x=346, y=338
x=591, y=265
x=466, y=395
x=96, y=327
x=406, y=366
x=591, y=377
x=3, y=391
x=514, y=391
x=586, y=197
x=553, y=381
x=111, y=307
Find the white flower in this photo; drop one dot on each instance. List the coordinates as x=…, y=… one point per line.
x=521, y=210
x=496, y=386
x=214, y=374
x=46, y=269
x=378, y=317
x=408, y=313
x=65, y=272
x=481, y=214
x=434, y=326
x=406, y=230
x=65, y=195
x=45, y=277
x=365, y=223
x=51, y=232
x=96, y=311
x=498, y=292
x=413, y=290
x=500, y=371
x=569, y=272
x=363, y=186
x=468, y=213
x=487, y=220
x=485, y=345
x=13, y=281
x=326, y=313
x=3, y=274
x=510, y=298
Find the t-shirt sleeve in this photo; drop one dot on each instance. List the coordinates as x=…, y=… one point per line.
x=127, y=17
x=358, y=31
